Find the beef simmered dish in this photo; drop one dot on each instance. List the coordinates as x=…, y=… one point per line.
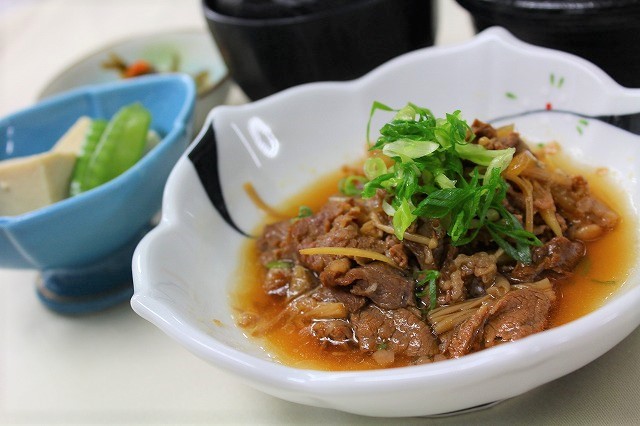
x=452, y=238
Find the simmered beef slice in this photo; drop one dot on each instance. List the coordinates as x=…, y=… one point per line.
x=588, y=217
x=276, y=244
x=348, y=236
x=397, y=330
x=276, y=281
x=312, y=227
x=352, y=302
x=488, y=136
x=425, y=257
x=335, y=225
x=333, y=270
x=396, y=251
x=342, y=222
x=482, y=129
x=516, y=315
x=333, y=331
x=288, y=281
x=463, y=276
x=282, y=240
x=428, y=256
x=467, y=336
x=556, y=259
x=384, y=285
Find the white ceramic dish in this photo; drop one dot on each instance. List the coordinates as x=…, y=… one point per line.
x=184, y=269
x=194, y=49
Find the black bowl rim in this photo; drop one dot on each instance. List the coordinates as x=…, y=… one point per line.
x=563, y=8
x=213, y=16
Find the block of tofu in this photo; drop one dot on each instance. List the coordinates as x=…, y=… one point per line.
x=32, y=182
x=29, y=183
x=72, y=140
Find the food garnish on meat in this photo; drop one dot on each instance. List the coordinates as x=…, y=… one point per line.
x=450, y=241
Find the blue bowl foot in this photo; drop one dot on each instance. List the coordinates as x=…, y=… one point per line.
x=93, y=287
x=83, y=305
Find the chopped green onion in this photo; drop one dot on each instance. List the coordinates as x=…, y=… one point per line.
x=427, y=179
x=403, y=218
x=352, y=185
x=483, y=156
x=388, y=208
x=374, y=167
x=304, y=211
x=428, y=284
x=409, y=149
x=500, y=162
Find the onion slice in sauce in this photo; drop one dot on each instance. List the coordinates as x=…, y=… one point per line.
x=349, y=252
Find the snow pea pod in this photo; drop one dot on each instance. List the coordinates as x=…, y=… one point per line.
x=91, y=139
x=120, y=147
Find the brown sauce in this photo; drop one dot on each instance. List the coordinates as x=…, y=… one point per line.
x=600, y=274
x=608, y=262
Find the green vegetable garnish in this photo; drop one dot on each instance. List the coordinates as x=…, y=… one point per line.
x=350, y=185
x=427, y=179
x=427, y=284
x=91, y=139
x=304, y=211
x=120, y=146
x=374, y=167
x=381, y=346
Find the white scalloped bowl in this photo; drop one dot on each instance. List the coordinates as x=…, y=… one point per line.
x=184, y=269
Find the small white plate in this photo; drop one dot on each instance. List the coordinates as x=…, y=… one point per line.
x=194, y=50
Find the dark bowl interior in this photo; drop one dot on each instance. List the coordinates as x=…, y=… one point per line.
x=266, y=55
x=605, y=32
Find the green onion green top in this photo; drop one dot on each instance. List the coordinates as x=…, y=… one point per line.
x=427, y=179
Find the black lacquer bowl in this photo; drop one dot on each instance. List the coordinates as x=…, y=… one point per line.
x=606, y=32
x=266, y=55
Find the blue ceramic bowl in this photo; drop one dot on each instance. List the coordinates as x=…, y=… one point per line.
x=83, y=245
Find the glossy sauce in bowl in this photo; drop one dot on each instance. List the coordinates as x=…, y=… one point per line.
x=598, y=276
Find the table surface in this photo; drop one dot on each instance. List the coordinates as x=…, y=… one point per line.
x=114, y=367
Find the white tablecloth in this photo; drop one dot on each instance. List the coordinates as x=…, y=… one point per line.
x=114, y=367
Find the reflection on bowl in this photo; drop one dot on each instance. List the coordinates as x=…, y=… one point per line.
x=189, y=51
x=185, y=269
x=79, y=233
